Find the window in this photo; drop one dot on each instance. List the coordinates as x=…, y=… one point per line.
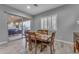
x=49, y=22
x=44, y=23
x=25, y=25
x=54, y=19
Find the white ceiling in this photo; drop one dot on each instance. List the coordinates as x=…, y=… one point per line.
x=34, y=10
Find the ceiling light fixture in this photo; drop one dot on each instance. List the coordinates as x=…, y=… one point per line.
x=36, y=5
x=28, y=7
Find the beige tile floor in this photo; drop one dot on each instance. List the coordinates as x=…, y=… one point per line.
x=18, y=47
x=15, y=37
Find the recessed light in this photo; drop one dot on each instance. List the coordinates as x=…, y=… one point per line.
x=36, y=5
x=28, y=7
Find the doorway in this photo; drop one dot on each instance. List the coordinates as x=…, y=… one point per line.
x=17, y=26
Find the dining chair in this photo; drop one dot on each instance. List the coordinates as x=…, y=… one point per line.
x=26, y=37
x=52, y=42
x=32, y=39
x=49, y=42
x=76, y=42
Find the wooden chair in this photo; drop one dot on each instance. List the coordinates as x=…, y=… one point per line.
x=76, y=42
x=32, y=38
x=26, y=37
x=50, y=42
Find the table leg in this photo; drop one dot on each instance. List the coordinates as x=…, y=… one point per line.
x=30, y=45
x=35, y=47
x=51, y=48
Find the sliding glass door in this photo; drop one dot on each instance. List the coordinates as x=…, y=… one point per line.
x=14, y=30
x=25, y=25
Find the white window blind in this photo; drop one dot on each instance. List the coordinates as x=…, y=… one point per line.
x=54, y=19
x=49, y=22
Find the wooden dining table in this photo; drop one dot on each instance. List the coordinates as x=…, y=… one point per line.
x=42, y=38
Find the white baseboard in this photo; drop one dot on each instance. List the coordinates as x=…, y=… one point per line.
x=4, y=42
x=64, y=41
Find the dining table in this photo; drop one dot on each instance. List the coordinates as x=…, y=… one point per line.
x=44, y=39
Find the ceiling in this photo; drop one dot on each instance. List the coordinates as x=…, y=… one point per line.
x=34, y=10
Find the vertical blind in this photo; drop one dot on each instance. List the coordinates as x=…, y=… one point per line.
x=49, y=22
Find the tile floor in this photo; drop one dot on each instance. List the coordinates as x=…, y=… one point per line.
x=15, y=37
x=18, y=47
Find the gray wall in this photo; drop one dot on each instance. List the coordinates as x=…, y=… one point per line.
x=66, y=21
x=3, y=21
x=3, y=27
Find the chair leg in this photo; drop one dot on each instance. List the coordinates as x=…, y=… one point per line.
x=26, y=43
x=41, y=47
x=53, y=48
x=74, y=50
x=50, y=49
x=35, y=47
x=30, y=46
